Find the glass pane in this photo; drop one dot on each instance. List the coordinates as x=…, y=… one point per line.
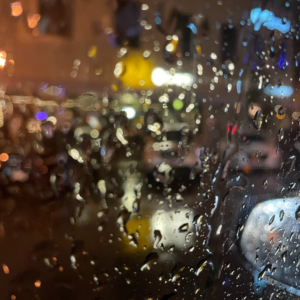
x=149, y=149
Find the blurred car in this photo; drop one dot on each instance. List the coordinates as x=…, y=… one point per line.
x=255, y=153
x=265, y=241
x=181, y=149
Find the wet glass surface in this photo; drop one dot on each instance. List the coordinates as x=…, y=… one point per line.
x=149, y=150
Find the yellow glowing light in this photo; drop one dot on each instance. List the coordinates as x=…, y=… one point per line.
x=2, y=59
x=280, y=117
x=32, y=20
x=137, y=71
x=142, y=227
x=92, y=51
x=16, y=9
x=198, y=49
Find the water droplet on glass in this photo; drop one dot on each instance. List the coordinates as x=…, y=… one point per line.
x=184, y=228
x=278, y=249
x=280, y=134
x=157, y=237
x=281, y=215
x=297, y=213
x=271, y=219
x=258, y=119
x=264, y=271
x=284, y=256
x=151, y=258
x=197, y=222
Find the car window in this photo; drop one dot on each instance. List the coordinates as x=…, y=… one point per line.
x=149, y=149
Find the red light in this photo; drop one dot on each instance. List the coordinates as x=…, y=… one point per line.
x=234, y=129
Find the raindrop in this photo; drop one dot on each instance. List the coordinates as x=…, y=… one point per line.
x=184, y=228
x=153, y=122
x=157, y=237
x=264, y=271
x=265, y=184
x=278, y=249
x=281, y=215
x=177, y=197
x=133, y=241
x=280, y=134
x=197, y=222
x=258, y=119
x=197, y=119
x=288, y=166
x=151, y=259
x=191, y=249
x=239, y=230
x=298, y=260
x=297, y=213
x=162, y=173
x=187, y=237
x=284, y=256
x=271, y=219
x=193, y=173
x=122, y=219
x=201, y=266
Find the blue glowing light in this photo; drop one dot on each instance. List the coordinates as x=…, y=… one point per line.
x=41, y=115
x=157, y=20
x=281, y=64
x=267, y=18
x=193, y=28
x=238, y=86
x=44, y=86
x=279, y=91
x=246, y=58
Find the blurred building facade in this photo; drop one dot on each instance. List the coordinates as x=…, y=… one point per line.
x=52, y=41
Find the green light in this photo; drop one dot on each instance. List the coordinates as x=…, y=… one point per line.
x=177, y=104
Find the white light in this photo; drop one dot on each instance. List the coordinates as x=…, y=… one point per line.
x=170, y=47
x=183, y=79
x=231, y=67
x=118, y=69
x=130, y=112
x=161, y=77
x=2, y=59
x=213, y=56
